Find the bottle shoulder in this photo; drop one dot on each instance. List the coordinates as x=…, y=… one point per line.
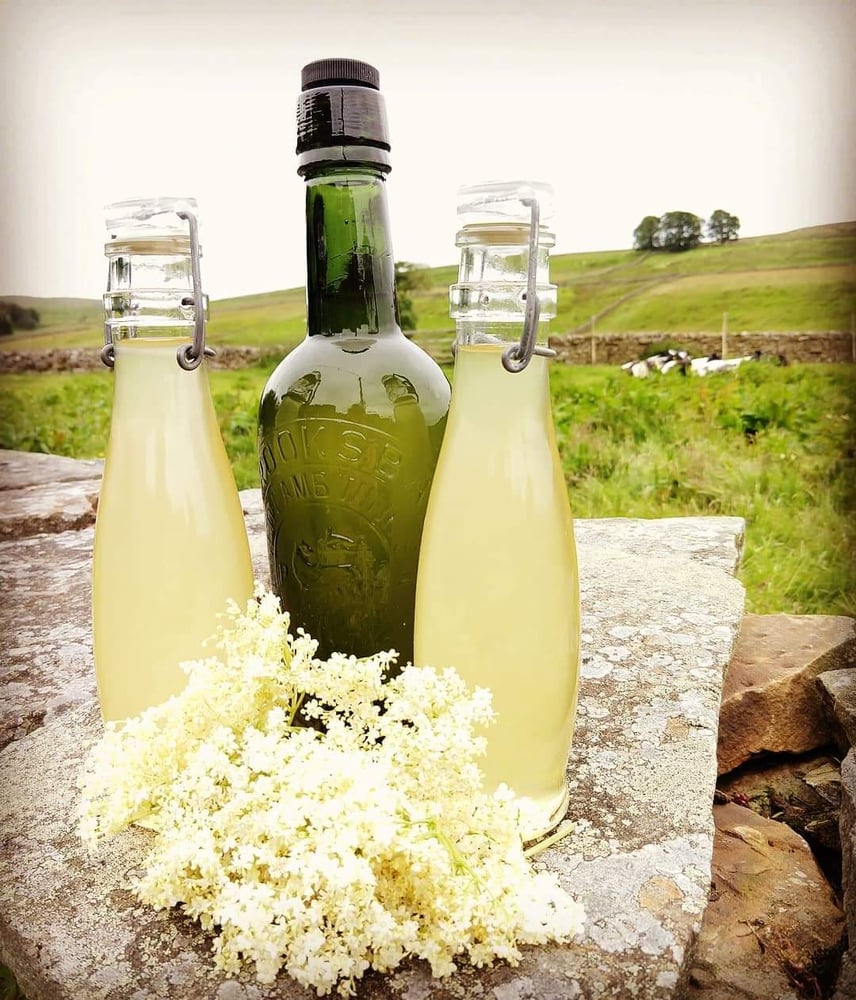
x=358, y=351
x=377, y=372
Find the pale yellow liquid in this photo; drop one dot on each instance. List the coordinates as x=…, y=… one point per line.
x=497, y=593
x=170, y=541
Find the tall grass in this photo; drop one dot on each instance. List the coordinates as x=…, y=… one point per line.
x=773, y=445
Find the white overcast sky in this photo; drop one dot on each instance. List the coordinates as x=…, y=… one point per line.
x=627, y=107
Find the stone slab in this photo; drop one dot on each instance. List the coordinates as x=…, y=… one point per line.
x=51, y=508
x=24, y=468
x=772, y=930
x=46, y=493
x=838, y=695
x=770, y=700
x=658, y=630
x=46, y=662
x=45, y=629
x=715, y=541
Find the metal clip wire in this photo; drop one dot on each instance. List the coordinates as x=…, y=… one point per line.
x=518, y=356
x=189, y=356
x=108, y=352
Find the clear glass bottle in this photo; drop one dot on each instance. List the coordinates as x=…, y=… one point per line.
x=170, y=541
x=498, y=591
x=351, y=421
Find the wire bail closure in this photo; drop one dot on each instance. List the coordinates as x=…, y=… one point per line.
x=188, y=356
x=518, y=356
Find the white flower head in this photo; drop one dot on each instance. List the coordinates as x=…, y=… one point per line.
x=322, y=817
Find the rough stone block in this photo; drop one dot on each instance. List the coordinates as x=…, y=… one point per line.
x=845, y=986
x=772, y=928
x=804, y=793
x=770, y=701
x=848, y=845
x=838, y=695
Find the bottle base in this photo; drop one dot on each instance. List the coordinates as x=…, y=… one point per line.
x=537, y=825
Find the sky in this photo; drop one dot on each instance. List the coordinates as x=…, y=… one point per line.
x=626, y=107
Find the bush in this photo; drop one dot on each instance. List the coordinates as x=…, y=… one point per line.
x=16, y=317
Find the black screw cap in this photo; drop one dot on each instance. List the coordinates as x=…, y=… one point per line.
x=339, y=73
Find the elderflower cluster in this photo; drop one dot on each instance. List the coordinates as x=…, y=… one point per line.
x=321, y=818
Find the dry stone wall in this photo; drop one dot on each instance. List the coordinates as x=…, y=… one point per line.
x=616, y=348
x=88, y=359
x=572, y=348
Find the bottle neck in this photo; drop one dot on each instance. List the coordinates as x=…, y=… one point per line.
x=149, y=382
x=350, y=287
x=492, y=403
x=149, y=288
x=488, y=301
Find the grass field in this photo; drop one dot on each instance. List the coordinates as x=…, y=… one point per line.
x=804, y=280
x=773, y=445
x=819, y=299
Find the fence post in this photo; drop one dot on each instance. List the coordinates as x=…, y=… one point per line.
x=724, y=335
x=853, y=336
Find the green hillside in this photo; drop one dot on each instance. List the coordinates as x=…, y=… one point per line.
x=801, y=280
x=64, y=322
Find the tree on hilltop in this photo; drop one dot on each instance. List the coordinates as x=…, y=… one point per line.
x=678, y=231
x=722, y=226
x=15, y=317
x=645, y=234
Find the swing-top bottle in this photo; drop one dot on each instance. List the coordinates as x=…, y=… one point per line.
x=497, y=594
x=170, y=542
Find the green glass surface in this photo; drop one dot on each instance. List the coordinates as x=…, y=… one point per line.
x=350, y=427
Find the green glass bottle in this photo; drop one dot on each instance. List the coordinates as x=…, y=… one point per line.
x=351, y=421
